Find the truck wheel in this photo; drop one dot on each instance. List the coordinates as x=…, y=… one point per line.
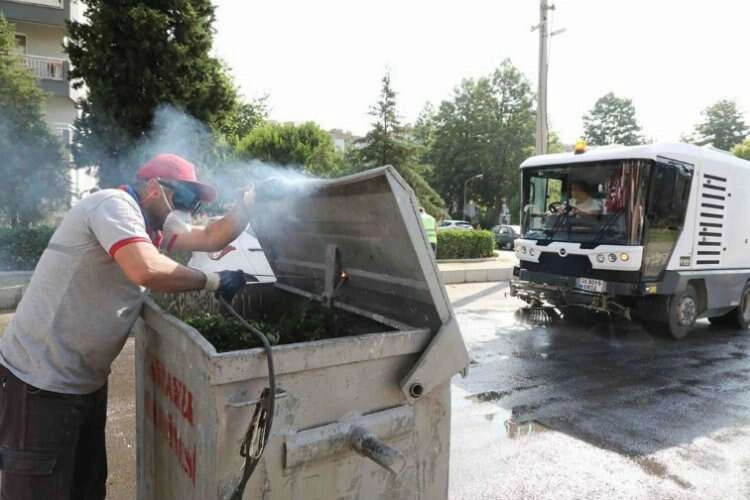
x=740, y=317
x=683, y=311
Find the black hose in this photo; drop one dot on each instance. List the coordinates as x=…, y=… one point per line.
x=252, y=461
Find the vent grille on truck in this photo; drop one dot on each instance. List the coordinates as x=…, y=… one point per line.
x=710, y=226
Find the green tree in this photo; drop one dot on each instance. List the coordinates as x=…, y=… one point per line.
x=134, y=57
x=486, y=127
x=423, y=132
x=32, y=166
x=554, y=145
x=723, y=126
x=389, y=143
x=306, y=147
x=742, y=150
x=244, y=117
x=612, y=121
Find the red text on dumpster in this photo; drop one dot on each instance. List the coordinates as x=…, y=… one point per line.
x=172, y=387
x=165, y=425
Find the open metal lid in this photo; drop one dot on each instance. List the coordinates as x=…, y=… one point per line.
x=357, y=243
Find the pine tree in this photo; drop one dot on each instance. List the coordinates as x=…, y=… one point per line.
x=134, y=56
x=612, y=121
x=723, y=126
x=388, y=143
x=32, y=166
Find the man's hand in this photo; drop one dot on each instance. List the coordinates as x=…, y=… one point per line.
x=226, y=284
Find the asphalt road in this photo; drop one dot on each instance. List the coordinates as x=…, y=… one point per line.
x=599, y=411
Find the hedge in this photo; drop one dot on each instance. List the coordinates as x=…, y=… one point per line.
x=21, y=248
x=465, y=244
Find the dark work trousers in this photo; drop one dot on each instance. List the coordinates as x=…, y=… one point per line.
x=51, y=445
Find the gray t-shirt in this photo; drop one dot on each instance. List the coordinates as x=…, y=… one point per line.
x=79, y=306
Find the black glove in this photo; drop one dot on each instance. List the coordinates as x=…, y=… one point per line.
x=230, y=282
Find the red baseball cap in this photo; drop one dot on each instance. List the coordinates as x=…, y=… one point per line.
x=176, y=168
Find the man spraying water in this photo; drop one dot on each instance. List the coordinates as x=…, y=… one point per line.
x=84, y=296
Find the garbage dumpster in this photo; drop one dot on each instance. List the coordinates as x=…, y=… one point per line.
x=364, y=415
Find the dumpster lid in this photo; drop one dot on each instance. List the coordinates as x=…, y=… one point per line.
x=357, y=242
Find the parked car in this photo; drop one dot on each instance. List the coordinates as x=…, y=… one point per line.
x=505, y=236
x=455, y=224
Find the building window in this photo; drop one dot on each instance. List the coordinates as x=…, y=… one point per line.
x=21, y=46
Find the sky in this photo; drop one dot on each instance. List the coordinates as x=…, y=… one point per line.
x=323, y=60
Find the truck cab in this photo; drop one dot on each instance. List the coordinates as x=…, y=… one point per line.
x=651, y=232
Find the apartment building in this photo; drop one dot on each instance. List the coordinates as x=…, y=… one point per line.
x=40, y=32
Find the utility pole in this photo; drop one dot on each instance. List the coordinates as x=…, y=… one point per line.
x=541, y=106
x=542, y=129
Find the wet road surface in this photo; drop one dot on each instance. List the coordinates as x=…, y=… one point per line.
x=598, y=411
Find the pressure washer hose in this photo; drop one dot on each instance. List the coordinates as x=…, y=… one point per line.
x=254, y=444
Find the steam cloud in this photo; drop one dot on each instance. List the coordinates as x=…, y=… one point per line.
x=175, y=132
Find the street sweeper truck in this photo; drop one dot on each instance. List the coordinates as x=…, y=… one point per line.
x=659, y=233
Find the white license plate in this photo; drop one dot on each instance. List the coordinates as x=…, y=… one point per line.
x=589, y=285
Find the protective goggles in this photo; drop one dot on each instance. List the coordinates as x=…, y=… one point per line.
x=185, y=196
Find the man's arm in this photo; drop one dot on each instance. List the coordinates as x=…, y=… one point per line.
x=218, y=234
x=213, y=237
x=145, y=266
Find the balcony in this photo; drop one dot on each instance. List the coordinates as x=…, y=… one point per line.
x=47, y=68
x=52, y=73
x=50, y=12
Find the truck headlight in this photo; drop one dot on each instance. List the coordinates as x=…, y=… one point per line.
x=532, y=252
x=600, y=258
x=612, y=257
x=523, y=250
x=624, y=257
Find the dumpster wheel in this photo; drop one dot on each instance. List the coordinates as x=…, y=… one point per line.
x=259, y=429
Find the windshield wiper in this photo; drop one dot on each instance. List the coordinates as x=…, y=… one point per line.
x=606, y=227
x=566, y=213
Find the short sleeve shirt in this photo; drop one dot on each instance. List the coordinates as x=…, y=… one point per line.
x=79, y=306
x=591, y=205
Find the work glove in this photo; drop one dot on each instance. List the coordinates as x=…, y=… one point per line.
x=226, y=284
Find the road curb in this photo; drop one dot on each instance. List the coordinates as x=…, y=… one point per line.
x=457, y=276
x=15, y=277
x=12, y=287
x=10, y=297
x=468, y=261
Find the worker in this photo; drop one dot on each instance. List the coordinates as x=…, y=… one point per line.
x=430, y=228
x=83, y=298
x=582, y=201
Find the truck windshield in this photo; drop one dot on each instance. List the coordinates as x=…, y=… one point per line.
x=588, y=203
